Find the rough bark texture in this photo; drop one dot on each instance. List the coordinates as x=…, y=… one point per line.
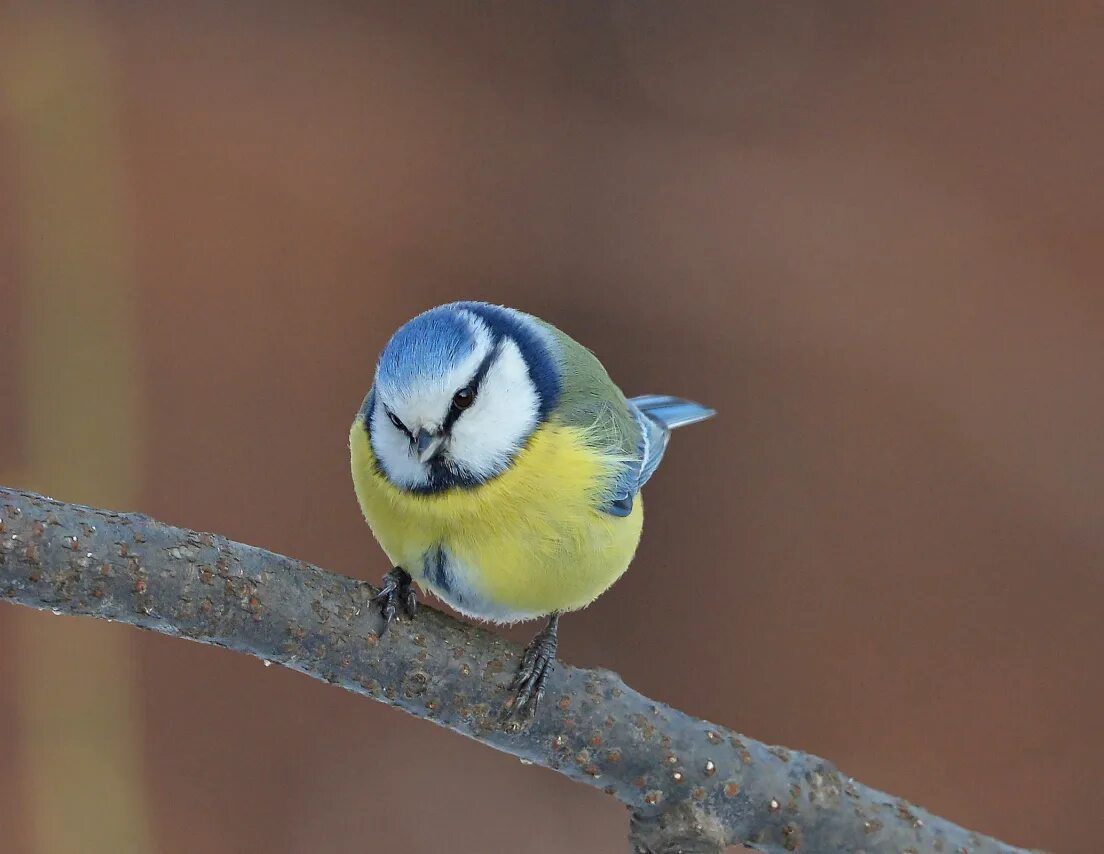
x=691, y=786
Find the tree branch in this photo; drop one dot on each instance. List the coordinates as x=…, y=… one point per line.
x=691, y=786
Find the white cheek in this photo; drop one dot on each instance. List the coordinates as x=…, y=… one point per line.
x=485, y=437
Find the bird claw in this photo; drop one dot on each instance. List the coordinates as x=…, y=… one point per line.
x=537, y=664
x=396, y=592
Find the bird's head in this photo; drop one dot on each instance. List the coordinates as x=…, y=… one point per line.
x=458, y=391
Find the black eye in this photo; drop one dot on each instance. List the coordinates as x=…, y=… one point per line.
x=395, y=420
x=464, y=398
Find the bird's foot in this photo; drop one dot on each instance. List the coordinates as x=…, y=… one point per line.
x=537, y=663
x=395, y=593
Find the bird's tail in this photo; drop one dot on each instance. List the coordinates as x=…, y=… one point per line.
x=671, y=412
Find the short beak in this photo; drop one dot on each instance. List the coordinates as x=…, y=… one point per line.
x=428, y=445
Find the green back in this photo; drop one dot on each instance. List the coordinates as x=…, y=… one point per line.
x=590, y=399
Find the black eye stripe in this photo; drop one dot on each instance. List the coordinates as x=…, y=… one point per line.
x=398, y=424
x=450, y=419
x=455, y=410
x=485, y=365
x=473, y=386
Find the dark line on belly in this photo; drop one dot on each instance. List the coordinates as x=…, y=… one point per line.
x=436, y=569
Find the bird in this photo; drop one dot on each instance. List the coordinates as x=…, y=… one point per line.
x=499, y=467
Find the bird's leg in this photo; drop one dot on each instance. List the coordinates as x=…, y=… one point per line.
x=536, y=664
x=395, y=593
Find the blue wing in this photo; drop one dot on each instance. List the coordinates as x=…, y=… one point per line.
x=657, y=416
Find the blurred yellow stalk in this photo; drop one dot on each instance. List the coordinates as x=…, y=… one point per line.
x=81, y=728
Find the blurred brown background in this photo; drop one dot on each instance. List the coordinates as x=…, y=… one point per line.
x=869, y=234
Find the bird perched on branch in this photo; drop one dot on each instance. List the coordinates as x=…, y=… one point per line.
x=500, y=467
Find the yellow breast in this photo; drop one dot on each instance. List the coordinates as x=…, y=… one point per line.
x=528, y=542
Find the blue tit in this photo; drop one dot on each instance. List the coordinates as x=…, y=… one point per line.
x=499, y=466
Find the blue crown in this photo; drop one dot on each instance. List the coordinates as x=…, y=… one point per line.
x=425, y=345
x=439, y=338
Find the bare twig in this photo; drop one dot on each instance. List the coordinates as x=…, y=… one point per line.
x=691, y=786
